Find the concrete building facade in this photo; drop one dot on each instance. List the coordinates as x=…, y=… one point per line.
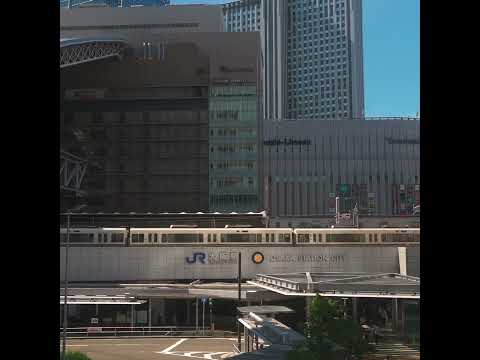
x=87, y=22
x=373, y=163
x=313, y=55
x=200, y=91
x=113, y=3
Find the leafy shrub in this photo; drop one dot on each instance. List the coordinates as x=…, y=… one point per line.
x=75, y=355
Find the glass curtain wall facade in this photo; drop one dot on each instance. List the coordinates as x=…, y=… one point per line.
x=313, y=55
x=233, y=148
x=243, y=16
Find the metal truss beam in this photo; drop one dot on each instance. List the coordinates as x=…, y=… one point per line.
x=72, y=171
x=74, y=52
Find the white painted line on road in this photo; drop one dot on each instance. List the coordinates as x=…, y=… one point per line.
x=76, y=345
x=173, y=346
x=209, y=356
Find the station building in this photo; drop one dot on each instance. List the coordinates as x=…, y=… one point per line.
x=374, y=164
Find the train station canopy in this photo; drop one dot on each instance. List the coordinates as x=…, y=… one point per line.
x=332, y=284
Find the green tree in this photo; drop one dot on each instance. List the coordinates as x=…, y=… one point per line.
x=329, y=336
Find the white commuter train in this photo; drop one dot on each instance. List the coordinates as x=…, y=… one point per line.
x=238, y=236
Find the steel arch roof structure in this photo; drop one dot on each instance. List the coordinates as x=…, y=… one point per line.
x=82, y=50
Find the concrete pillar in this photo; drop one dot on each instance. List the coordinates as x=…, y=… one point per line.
x=355, y=309
x=132, y=321
x=402, y=317
x=394, y=314
x=244, y=339
x=196, y=314
x=162, y=310
x=150, y=313
x=188, y=311
x=308, y=303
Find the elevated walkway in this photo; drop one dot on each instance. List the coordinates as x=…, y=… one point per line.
x=264, y=336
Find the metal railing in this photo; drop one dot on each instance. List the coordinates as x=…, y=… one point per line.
x=144, y=331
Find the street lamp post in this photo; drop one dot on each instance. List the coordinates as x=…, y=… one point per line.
x=65, y=287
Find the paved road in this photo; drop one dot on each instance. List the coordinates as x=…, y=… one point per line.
x=154, y=348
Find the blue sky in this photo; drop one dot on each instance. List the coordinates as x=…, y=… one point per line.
x=391, y=46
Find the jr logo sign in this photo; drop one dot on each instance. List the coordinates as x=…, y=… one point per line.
x=196, y=257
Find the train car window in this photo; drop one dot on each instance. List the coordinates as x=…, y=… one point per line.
x=184, y=238
x=209, y=238
x=406, y=237
x=375, y=237
x=314, y=237
x=155, y=237
x=345, y=237
x=259, y=238
x=284, y=238
x=370, y=237
x=99, y=237
x=63, y=238
x=116, y=238
x=137, y=238
x=267, y=237
x=239, y=238
x=164, y=238
x=81, y=238
x=303, y=238
x=272, y=237
x=149, y=238
x=104, y=238
x=214, y=237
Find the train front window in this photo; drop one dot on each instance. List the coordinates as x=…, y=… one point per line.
x=345, y=237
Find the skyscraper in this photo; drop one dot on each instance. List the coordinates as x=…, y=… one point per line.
x=312, y=54
x=114, y=3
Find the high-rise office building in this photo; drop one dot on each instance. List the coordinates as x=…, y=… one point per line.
x=114, y=3
x=312, y=55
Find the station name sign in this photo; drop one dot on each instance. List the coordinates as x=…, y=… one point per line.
x=391, y=140
x=307, y=258
x=231, y=257
x=286, y=141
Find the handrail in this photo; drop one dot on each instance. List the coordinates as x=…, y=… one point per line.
x=141, y=331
